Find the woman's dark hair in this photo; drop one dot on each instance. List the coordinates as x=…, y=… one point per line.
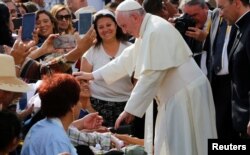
x=51, y=17
x=5, y=32
x=58, y=94
x=119, y=34
x=10, y=128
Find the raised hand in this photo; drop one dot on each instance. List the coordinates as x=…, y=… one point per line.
x=82, y=45
x=20, y=49
x=87, y=40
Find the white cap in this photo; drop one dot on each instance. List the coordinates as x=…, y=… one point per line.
x=128, y=5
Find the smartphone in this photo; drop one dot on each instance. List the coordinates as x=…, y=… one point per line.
x=84, y=23
x=17, y=23
x=28, y=26
x=64, y=42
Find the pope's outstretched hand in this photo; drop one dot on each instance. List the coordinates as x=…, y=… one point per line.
x=124, y=116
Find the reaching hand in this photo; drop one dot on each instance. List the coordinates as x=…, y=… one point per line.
x=20, y=49
x=83, y=76
x=48, y=43
x=124, y=116
x=92, y=121
x=82, y=45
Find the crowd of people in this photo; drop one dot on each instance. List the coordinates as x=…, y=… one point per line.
x=174, y=70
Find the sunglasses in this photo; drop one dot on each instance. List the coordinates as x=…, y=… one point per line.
x=60, y=17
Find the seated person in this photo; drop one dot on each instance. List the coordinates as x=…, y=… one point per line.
x=11, y=87
x=49, y=135
x=10, y=128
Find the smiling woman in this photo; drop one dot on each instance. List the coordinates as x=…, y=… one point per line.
x=108, y=100
x=46, y=25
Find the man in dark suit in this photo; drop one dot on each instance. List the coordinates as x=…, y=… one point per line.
x=218, y=74
x=237, y=12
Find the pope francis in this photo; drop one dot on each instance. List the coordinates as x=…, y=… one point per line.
x=163, y=64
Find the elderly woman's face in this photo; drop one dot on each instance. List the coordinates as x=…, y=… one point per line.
x=45, y=25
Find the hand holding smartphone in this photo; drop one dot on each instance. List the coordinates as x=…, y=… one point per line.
x=84, y=23
x=28, y=26
x=64, y=42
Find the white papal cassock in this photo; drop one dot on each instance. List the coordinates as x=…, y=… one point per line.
x=166, y=71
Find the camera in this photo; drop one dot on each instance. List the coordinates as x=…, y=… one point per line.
x=183, y=22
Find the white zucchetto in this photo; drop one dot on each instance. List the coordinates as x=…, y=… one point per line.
x=128, y=5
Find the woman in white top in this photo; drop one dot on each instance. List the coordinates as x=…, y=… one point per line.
x=108, y=100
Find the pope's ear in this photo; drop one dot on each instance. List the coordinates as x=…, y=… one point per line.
x=134, y=16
